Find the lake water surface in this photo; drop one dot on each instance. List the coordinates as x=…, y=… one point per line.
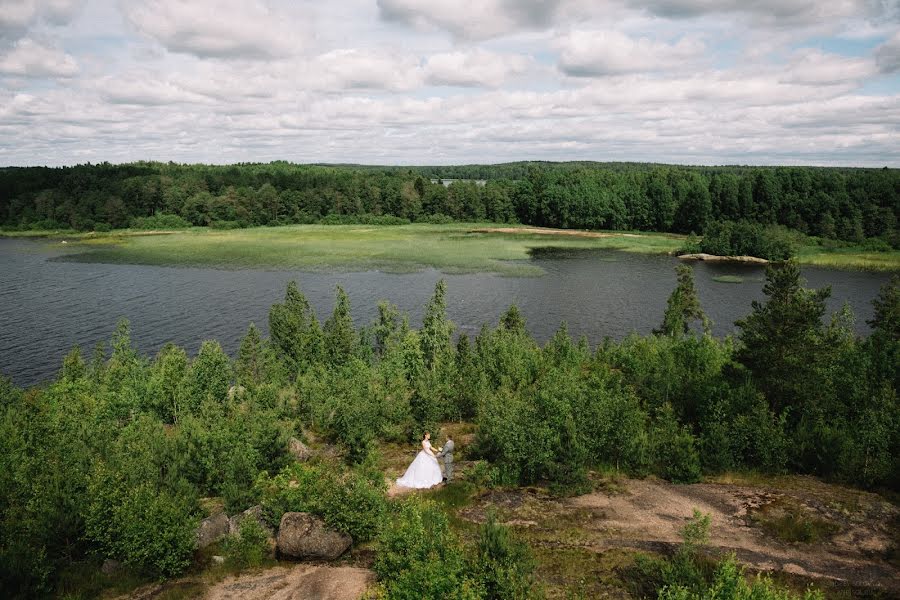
x=47, y=306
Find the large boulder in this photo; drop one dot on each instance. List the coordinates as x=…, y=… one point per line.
x=299, y=450
x=304, y=536
x=212, y=529
x=255, y=513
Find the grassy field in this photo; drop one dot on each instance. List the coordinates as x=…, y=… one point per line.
x=453, y=248
x=449, y=248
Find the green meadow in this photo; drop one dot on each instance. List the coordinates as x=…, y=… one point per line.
x=451, y=248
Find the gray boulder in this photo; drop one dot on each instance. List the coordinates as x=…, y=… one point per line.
x=304, y=536
x=255, y=513
x=299, y=450
x=212, y=529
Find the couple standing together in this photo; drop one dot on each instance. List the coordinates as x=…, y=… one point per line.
x=425, y=470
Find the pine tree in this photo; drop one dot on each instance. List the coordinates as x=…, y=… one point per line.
x=512, y=320
x=295, y=331
x=436, y=329
x=249, y=366
x=782, y=339
x=340, y=339
x=683, y=306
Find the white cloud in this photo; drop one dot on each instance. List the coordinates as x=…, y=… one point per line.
x=473, y=68
x=366, y=69
x=355, y=81
x=888, y=55
x=597, y=53
x=29, y=58
x=815, y=67
x=473, y=19
x=225, y=29
x=17, y=16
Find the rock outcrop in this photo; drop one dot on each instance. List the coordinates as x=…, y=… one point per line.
x=255, y=513
x=304, y=536
x=299, y=450
x=212, y=529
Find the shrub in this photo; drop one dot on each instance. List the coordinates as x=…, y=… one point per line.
x=420, y=557
x=743, y=238
x=147, y=528
x=160, y=221
x=436, y=219
x=730, y=583
x=363, y=219
x=673, y=449
x=350, y=501
x=226, y=225
x=248, y=547
x=502, y=564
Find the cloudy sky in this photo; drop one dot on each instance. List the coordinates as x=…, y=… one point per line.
x=450, y=81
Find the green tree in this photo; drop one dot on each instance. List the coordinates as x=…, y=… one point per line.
x=340, y=338
x=436, y=328
x=295, y=330
x=782, y=338
x=683, y=306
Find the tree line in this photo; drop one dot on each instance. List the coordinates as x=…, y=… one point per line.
x=853, y=205
x=112, y=458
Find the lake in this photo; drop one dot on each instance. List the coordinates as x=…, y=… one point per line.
x=47, y=306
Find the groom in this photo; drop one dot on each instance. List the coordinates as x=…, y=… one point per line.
x=447, y=452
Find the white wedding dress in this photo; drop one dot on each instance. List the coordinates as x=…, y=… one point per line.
x=424, y=471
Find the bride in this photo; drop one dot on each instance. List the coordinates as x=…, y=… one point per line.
x=424, y=472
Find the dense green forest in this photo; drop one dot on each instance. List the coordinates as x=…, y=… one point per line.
x=853, y=205
x=112, y=458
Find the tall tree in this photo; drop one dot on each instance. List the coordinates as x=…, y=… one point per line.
x=436, y=328
x=683, y=306
x=340, y=337
x=295, y=330
x=782, y=338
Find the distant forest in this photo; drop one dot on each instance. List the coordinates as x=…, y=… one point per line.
x=836, y=203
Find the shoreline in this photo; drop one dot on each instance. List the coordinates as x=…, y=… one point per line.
x=259, y=247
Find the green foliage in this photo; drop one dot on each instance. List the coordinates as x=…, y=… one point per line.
x=730, y=583
x=148, y=528
x=340, y=339
x=420, y=557
x=352, y=501
x=436, y=328
x=295, y=331
x=850, y=204
x=502, y=564
x=159, y=221
x=248, y=547
x=209, y=376
x=673, y=450
x=744, y=238
x=683, y=306
x=783, y=339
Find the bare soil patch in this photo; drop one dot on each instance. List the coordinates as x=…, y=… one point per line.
x=854, y=549
x=299, y=582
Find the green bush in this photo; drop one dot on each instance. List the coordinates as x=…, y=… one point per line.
x=436, y=219
x=147, y=528
x=226, y=225
x=673, y=449
x=351, y=501
x=730, y=583
x=363, y=219
x=743, y=238
x=419, y=556
x=248, y=547
x=159, y=221
x=502, y=564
